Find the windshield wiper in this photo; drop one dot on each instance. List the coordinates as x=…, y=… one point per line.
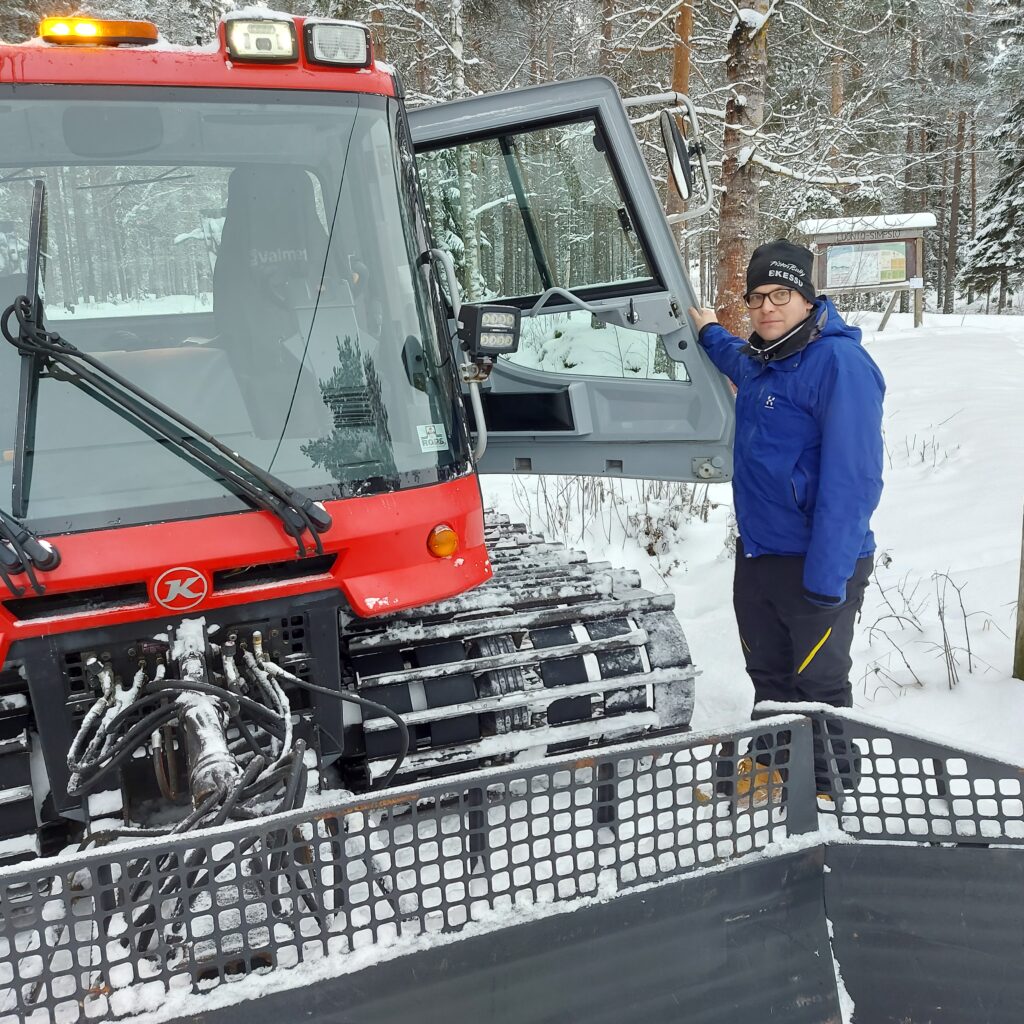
x=31, y=365
x=21, y=551
x=46, y=350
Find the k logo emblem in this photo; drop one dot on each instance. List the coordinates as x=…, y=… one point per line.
x=180, y=589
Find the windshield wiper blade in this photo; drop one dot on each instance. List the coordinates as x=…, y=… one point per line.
x=21, y=551
x=31, y=364
x=298, y=513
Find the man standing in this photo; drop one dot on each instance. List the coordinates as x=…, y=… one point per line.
x=808, y=475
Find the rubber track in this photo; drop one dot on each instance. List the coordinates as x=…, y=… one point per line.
x=548, y=619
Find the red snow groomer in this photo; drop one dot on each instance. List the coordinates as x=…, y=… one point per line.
x=243, y=547
x=262, y=328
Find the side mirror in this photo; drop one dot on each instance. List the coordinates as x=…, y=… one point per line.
x=414, y=364
x=678, y=152
x=487, y=332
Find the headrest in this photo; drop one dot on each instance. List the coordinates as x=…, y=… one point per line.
x=271, y=224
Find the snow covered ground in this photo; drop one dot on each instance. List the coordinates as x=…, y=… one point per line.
x=948, y=530
x=941, y=608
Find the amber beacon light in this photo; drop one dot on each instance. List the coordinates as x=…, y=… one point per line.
x=97, y=32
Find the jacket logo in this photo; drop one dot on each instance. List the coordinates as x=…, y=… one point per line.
x=180, y=589
x=769, y=402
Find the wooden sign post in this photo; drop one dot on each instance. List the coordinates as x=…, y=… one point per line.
x=871, y=254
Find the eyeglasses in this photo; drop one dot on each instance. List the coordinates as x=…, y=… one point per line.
x=779, y=297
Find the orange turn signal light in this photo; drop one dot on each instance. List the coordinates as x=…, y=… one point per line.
x=97, y=32
x=442, y=541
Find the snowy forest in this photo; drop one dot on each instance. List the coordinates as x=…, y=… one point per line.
x=808, y=109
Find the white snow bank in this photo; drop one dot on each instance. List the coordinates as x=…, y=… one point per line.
x=954, y=492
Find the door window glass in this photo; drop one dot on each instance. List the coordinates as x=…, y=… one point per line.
x=576, y=343
x=527, y=211
x=533, y=210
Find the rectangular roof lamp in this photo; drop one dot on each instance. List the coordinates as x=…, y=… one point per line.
x=337, y=43
x=261, y=40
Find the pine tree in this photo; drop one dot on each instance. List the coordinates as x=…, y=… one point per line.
x=997, y=255
x=204, y=16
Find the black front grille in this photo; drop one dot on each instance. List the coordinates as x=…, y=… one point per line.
x=77, y=602
x=273, y=572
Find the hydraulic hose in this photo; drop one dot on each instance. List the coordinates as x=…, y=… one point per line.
x=353, y=698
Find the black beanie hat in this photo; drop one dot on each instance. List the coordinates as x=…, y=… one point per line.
x=782, y=263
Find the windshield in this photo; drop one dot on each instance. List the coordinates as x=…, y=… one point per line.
x=251, y=263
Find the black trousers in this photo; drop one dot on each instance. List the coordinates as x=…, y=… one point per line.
x=794, y=650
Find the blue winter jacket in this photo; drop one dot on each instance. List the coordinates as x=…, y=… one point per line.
x=808, y=452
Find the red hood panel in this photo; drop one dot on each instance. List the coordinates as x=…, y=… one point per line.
x=382, y=563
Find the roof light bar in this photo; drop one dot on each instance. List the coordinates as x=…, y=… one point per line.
x=261, y=41
x=97, y=32
x=337, y=43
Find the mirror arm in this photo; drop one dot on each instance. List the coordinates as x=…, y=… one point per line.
x=681, y=100
x=440, y=256
x=444, y=257
x=697, y=149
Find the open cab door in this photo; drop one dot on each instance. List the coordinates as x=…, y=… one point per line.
x=544, y=201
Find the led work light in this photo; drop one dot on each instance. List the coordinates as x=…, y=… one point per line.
x=263, y=41
x=341, y=43
x=487, y=332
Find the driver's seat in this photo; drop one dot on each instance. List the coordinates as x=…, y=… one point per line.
x=270, y=262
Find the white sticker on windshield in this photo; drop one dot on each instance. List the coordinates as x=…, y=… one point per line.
x=432, y=437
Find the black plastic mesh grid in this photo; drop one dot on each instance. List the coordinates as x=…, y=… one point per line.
x=892, y=786
x=107, y=934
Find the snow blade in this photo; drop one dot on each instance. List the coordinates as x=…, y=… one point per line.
x=746, y=944
x=928, y=933
x=645, y=883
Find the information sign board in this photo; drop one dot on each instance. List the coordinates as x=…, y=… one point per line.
x=867, y=264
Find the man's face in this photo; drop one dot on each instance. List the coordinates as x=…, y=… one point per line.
x=770, y=321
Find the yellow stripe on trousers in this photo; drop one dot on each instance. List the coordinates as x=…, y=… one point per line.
x=814, y=650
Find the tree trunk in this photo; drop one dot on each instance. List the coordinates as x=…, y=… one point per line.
x=676, y=204
x=836, y=105
x=457, y=39
x=88, y=266
x=949, y=292
x=940, y=248
x=59, y=232
x=378, y=31
x=680, y=83
x=746, y=72
x=423, y=83
x=973, y=149
x=467, y=201
x=963, y=73
x=703, y=268
x=909, y=200
x=605, y=55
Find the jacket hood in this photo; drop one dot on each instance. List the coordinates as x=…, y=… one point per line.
x=835, y=325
